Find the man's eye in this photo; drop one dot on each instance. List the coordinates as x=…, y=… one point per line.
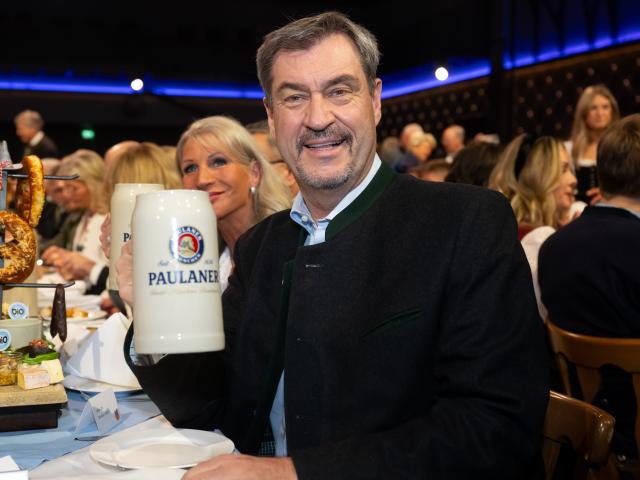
x=339, y=92
x=293, y=99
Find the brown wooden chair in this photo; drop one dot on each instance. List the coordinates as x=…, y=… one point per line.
x=588, y=355
x=586, y=428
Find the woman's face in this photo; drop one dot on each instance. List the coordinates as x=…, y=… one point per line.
x=213, y=169
x=564, y=192
x=75, y=195
x=599, y=113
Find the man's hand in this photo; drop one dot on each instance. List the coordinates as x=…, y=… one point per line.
x=124, y=270
x=243, y=467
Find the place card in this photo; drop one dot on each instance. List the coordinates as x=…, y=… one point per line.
x=101, y=409
x=10, y=471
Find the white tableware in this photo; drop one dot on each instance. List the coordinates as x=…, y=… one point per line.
x=73, y=382
x=164, y=448
x=123, y=201
x=176, y=295
x=91, y=315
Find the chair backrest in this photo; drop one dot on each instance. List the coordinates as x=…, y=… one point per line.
x=586, y=428
x=589, y=354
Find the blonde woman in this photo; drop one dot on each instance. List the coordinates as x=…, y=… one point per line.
x=219, y=156
x=79, y=256
x=595, y=110
x=142, y=163
x=545, y=197
x=503, y=176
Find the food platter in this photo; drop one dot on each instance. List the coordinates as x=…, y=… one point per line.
x=76, y=314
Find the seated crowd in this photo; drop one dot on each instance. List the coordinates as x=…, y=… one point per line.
x=582, y=253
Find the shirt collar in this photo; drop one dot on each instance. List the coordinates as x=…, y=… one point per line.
x=301, y=214
x=602, y=203
x=36, y=138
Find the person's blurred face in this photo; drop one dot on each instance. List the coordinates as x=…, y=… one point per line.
x=564, y=193
x=55, y=190
x=450, y=141
x=421, y=151
x=75, y=195
x=24, y=132
x=211, y=167
x=324, y=115
x=599, y=113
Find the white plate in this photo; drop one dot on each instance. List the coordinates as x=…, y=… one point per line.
x=91, y=315
x=72, y=382
x=162, y=447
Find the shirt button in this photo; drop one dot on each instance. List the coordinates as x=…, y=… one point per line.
x=305, y=219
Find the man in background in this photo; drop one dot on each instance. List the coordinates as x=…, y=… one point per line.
x=260, y=132
x=452, y=141
x=29, y=126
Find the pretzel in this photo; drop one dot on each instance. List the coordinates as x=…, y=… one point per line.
x=21, y=251
x=30, y=192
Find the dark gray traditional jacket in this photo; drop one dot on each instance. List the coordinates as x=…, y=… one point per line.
x=410, y=341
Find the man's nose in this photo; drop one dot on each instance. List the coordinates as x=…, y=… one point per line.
x=319, y=113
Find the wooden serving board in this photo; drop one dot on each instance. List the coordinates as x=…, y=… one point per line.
x=14, y=396
x=30, y=409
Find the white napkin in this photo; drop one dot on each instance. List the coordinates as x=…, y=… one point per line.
x=100, y=356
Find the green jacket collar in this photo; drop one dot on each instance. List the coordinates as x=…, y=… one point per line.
x=362, y=203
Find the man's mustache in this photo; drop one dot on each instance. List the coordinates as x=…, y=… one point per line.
x=331, y=133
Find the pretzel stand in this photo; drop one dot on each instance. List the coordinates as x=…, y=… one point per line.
x=24, y=409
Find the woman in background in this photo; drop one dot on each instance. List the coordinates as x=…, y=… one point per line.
x=545, y=197
x=595, y=111
x=76, y=252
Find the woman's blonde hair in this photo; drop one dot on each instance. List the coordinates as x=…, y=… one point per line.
x=90, y=167
x=579, y=130
x=503, y=176
x=143, y=163
x=271, y=194
x=534, y=202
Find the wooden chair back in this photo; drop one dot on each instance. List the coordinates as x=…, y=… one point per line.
x=589, y=354
x=586, y=428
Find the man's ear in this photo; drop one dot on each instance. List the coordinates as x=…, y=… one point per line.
x=377, y=100
x=268, y=108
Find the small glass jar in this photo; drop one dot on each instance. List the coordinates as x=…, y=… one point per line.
x=9, y=364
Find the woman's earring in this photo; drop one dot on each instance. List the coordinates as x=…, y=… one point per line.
x=253, y=191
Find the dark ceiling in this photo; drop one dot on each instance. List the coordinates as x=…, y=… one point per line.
x=216, y=41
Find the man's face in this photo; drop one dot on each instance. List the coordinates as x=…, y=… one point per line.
x=25, y=132
x=450, y=141
x=323, y=115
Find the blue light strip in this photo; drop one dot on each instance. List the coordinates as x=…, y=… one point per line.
x=393, y=85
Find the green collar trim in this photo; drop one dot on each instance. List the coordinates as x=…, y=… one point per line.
x=363, y=202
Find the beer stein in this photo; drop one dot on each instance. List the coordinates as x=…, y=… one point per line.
x=122, y=202
x=177, y=305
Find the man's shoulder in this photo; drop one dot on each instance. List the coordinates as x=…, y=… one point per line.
x=444, y=196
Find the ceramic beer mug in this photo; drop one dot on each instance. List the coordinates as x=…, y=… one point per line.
x=177, y=305
x=122, y=202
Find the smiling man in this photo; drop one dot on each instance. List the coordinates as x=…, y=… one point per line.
x=385, y=327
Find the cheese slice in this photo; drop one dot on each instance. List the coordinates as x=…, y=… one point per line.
x=54, y=369
x=30, y=378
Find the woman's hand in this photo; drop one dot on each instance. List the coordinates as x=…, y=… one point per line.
x=52, y=254
x=124, y=270
x=105, y=235
x=74, y=266
x=594, y=195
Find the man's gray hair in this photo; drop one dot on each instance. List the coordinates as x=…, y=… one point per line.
x=30, y=118
x=305, y=33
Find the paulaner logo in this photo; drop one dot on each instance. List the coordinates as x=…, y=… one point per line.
x=186, y=245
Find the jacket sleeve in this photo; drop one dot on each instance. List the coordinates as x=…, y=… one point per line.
x=490, y=366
